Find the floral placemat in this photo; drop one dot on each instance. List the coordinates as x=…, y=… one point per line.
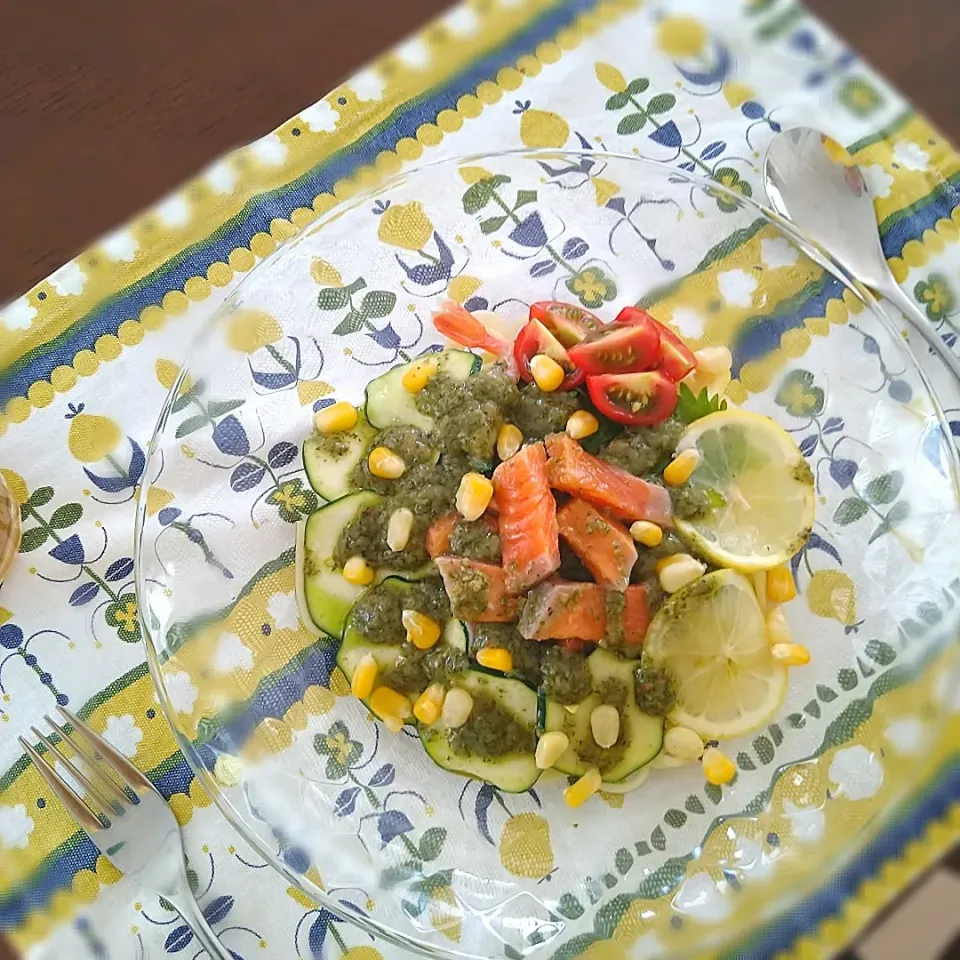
x=88, y=354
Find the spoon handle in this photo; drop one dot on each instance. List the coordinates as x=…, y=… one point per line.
x=920, y=322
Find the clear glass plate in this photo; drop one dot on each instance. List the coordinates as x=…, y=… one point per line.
x=360, y=819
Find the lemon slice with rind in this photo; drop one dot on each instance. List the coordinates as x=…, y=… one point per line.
x=760, y=487
x=712, y=636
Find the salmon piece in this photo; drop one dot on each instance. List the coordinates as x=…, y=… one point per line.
x=477, y=590
x=441, y=530
x=585, y=612
x=529, y=537
x=573, y=470
x=603, y=545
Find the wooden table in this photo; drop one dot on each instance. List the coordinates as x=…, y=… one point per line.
x=108, y=105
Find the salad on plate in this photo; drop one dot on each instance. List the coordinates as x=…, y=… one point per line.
x=563, y=550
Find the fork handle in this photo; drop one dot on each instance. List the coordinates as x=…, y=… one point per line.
x=193, y=917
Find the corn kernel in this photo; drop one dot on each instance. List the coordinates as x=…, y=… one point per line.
x=393, y=724
x=386, y=702
x=683, y=743
x=473, y=495
x=605, y=725
x=336, y=418
x=495, y=658
x=550, y=748
x=780, y=584
x=384, y=463
x=419, y=374
x=578, y=793
x=582, y=424
x=547, y=373
x=714, y=360
x=778, y=630
x=509, y=439
x=399, y=527
x=571, y=708
x=364, y=677
x=429, y=704
x=718, y=768
x=647, y=533
x=682, y=571
x=358, y=572
x=668, y=560
x=790, y=654
x=679, y=470
x=457, y=707
x=422, y=631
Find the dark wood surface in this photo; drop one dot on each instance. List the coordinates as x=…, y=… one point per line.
x=106, y=106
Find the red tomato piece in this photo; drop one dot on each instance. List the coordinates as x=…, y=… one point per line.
x=636, y=399
x=677, y=359
x=567, y=322
x=535, y=338
x=619, y=349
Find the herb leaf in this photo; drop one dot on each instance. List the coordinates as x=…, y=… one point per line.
x=691, y=406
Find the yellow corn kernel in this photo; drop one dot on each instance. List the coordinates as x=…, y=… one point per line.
x=429, y=704
x=457, y=707
x=419, y=374
x=336, y=418
x=473, y=495
x=547, y=373
x=384, y=463
x=582, y=424
x=495, y=658
x=718, y=768
x=647, y=533
x=681, y=572
x=550, y=748
x=679, y=470
x=714, y=360
x=669, y=560
x=578, y=793
x=364, y=677
x=780, y=584
x=509, y=439
x=790, y=654
x=386, y=702
x=605, y=725
x=422, y=632
x=393, y=724
x=358, y=572
x=399, y=527
x=778, y=630
x=683, y=743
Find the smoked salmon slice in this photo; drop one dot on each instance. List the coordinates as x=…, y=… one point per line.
x=573, y=470
x=603, y=545
x=477, y=590
x=529, y=537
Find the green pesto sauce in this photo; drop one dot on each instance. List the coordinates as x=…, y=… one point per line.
x=538, y=414
x=377, y=614
x=491, y=731
x=654, y=688
x=525, y=653
x=644, y=451
x=332, y=445
x=615, y=633
x=613, y=692
x=415, y=669
x=645, y=569
x=564, y=676
x=469, y=590
x=690, y=502
x=475, y=540
x=366, y=535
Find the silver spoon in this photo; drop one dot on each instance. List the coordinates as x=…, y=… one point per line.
x=831, y=204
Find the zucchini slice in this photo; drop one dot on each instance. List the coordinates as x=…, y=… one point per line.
x=513, y=772
x=387, y=402
x=328, y=461
x=641, y=736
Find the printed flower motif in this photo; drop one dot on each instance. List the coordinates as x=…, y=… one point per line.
x=18, y=315
x=341, y=752
x=405, y=225
x=732, y=180
x=181, y=691
x=91, y=437
x=681, y=36
x=807, y=823
x=859, y=96
x=856, y=772
x=122, y=615
x=15, y=827
x=324, y=273
x=909, y=155
x=283, y=608
x=249, y=330
x=592, y=287
x=799, y=395
x=231, y=654
x=124, y=734
x=292, y=500
x=878, y=180
x=936, y=295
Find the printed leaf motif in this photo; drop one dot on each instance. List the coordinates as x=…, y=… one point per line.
x=230, y=437
x=658, y=839
x=346, y=802
x=639, y=85
x=40, y=496
x=668, y=136
x=384, y=776
x=246, y=476
x=543, y=268
x=631, y=123
x=399, y=873
x=431, y=843
x=764, y=749
x=884, y=489
x=825, y=693
x=618, y=101
x=378, y=304
x=776, y=734
x=712, y=150
x=392, y=824
x=661, y=103
x=847, y=679
x=524, y=197
x=84, y=594
x=333, y=298
x=694, y=805
x=492, y=224
x=119, y=569
x=610, y=76
x=849, y=510
x=675, y=818
x=217, y=408
x=642, y=848
x=479, y=194
x=744, y=762
x=351, y=323
x=484, y=798
x=191, y=425
x=216, y=910
x=281, y=454
x=569, y=907
x=318, y=934
x=713, y=792
x=529, y=232
x=880, y=652
x=796, y=720
x=813, y=709
x=843, y=472
x=70, y=551
x=193, y=880
x=574, y=248
x=179, y=938
x=66, y=516
x=623, y=860
x=33, y=539
x=809, y=444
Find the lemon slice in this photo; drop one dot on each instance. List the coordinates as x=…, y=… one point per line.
x=712, y=636
x=761, y=487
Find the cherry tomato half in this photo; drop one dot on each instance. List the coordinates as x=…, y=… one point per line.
x=636, y=399
x=677, y=359
x=623, y=348
x=567, y=322
x=535, y=338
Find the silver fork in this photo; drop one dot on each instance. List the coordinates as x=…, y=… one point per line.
x=128, y=821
